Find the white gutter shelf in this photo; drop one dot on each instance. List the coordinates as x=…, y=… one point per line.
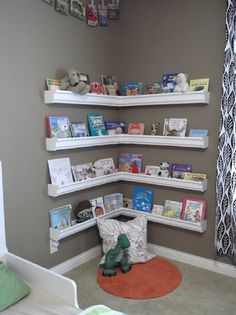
x=53, y=144
x=68, y=97
x=56, y=234
x=55, y=191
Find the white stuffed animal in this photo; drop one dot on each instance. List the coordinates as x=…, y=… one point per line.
x=71, y=82
x=164, y=169
x=181, y=83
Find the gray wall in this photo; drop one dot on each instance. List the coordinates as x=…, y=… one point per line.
x=151, y=38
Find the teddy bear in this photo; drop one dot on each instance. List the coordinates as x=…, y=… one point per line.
x=71, y=82
x=181, y=83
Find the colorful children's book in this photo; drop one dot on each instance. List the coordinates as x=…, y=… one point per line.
x=60, y=218
x=103, y=15
x=172, y=209
x=136, y=128
x=198, y=133
x=157, y=209
x=194, y=209
x=96, y=125
x=83, y=172
x=178, y=170
x=113, y=201
x=152, y=170
x=127, y=202
x=53, y=84
x=58, y=127
x=77, y=9
x=115, y=127
x=60, y=171
x=195, y=176
x=62, y=6
x=168, y=82
x=130, y=162
x=199, y=85
x=104, y=167
x=79, y=129
x=142, y=199
x=91, y=15
x=98, y=206
x=131, y=88
x=175, y=127
x=113, y=10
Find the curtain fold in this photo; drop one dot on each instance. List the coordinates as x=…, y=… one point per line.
x=225, y=240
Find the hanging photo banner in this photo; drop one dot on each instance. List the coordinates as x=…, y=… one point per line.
x=113, y=10
x=91, y=14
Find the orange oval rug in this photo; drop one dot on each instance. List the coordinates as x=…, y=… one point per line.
x=152, y=279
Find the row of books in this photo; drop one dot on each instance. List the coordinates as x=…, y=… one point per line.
x=62, y=172
x=62, y=127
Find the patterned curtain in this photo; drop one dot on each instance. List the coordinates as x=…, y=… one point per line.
x=225, y=243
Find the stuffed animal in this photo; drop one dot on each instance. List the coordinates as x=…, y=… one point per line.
x=155, y=127
x=181, y=83
x=164, y=169
x=71, y=82
x=83, y=211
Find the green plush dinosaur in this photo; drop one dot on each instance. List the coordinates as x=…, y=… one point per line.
x=117, y=256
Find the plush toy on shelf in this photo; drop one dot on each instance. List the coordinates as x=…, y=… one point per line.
x=154, y=128
x=181, y=83
x=72, y=82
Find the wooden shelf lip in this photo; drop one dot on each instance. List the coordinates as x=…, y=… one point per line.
x=53, y=144
x=57, y=234
x=68, y=97
x=55, y=191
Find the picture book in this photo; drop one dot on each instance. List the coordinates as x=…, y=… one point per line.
x=104, y=167
x=195, y=176
x=178, y=170
x=91, y=14
x=157, y=209
x=115, y=127
x=58, y=127
x=113, y=201
x=175, y=127
x=62, y=6
x=136, y=128
x=152, y=170
x=53, y=84
x=97, y=206
x=142, y=199
x=97, y=88
x=79, y=129
x=199, y=85
x=198, y=133
x=168, y=82
x=103, y=15
x=83, y=211
x=154, y=88
x=83, y=171
x=113, y=10
x=60, y=218
x=131, y=89
x=60, y=171
x=127, y=202
x=110, y=83
x=77, y=9
x=194, y=209
x=172, y=209
x=96, y=125
x=130, y=162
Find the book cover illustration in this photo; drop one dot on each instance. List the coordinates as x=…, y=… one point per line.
x=152, y=170
x=91, y=15
x=115, y=127
x=77, y=9
x=127, y=202
x=154, y=88
x=157, y=209
x=104, y=167
x=195, y=176
x=96, y=125
x=178, y=170
x=113, y=201
x=98, y=208
x=194, y=209
x=130, y=162
x=58, y=127
x=113, y=10
x=136, y=128
x=78, y=129
x=103, y=15
x=198, y=133
x=53, y=84
x=83, y=211
x=62, y=6
x=175, y=127
x=83, y=172
x=131, y=89
x=172, y=209
x=199, y=85
x=142, y=199
x=168, y=82
x=60, y=218
x=60, y=171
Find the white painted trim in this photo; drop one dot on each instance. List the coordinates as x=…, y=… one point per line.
x=77, y=260
x=197, y=261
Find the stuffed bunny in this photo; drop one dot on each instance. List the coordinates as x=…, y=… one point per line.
x=71, y=82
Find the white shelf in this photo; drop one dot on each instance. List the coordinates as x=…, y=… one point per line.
x=56, y=234
x=55, y=191
x=53, y=144
x=68, y=97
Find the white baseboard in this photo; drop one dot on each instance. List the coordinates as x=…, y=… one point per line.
x=197, y=261
x=77, y=260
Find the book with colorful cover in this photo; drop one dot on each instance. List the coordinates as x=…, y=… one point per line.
x=115, y=127
x=58, y=127
x=98, y=207
x=96, y=125
x=199, y=85
x=60, y=171
x=157, y=209
x=198, y=133
x=172, y=209
x=83, y=171
x=130, y=162
x=153, y=170
x=142, y=199
x=53, y=84
x=175, y=127
x=178, y=170
x=194, y=209
x=77, y=9
x=127, y=202
x=79, y=129
x=195, y=176
x=113, y=201
x=103, y=15
x=104, y=167
x=60, y=218
x=168, y=82
x=131, y=89
x=136, y=128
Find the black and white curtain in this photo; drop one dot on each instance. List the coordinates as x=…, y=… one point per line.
x=225, y=243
